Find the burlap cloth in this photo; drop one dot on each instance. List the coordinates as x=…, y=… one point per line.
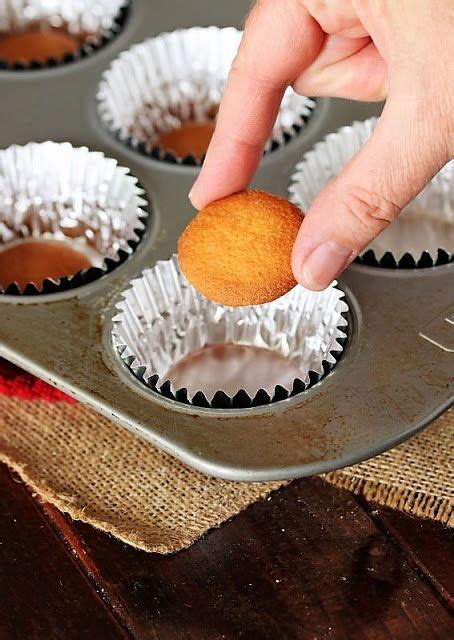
x=101, y=474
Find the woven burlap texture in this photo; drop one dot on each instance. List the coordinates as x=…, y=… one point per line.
x=101, y=474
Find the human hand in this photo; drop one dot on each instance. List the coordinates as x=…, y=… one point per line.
x=359, y=49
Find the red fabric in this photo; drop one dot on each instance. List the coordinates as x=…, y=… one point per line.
x=18, y=383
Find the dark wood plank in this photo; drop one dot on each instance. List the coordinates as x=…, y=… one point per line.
x=43, y=593
x=307, y=563
x=427, y=544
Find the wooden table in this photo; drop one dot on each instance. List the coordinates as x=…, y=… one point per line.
x=311, y=561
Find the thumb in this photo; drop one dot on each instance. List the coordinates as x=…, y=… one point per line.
x=405, y=151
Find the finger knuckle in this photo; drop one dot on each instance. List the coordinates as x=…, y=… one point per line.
x=370, y=209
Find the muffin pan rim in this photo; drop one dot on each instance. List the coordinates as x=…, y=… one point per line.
x=230, y=471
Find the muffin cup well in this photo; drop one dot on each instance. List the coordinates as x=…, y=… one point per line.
x=95, y=22
x=159, y=84
x=162, y=318
x=55, y=191
x=423, y=234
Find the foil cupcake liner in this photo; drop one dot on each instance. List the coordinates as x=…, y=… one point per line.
x=162, y=318
x=97, y=21
x=422, y=235
x=155, y=86
x=55, y=191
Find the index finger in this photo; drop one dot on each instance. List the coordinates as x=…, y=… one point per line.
x=280, y=40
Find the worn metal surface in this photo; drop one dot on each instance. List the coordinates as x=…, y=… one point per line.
x=390, y=382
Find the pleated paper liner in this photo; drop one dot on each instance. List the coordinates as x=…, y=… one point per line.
x=162, y=319
x=176, y=77
x=93, y=22
x=422, y=235
x=54, y=191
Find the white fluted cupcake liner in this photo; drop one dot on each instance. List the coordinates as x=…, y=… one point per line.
x=55, y=191
x=96, y=21
x=155, y=86
x=162, y=318
x=423, y=234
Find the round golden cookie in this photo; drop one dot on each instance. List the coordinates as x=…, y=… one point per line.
x=237, y=250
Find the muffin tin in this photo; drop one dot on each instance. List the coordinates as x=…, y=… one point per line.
x=395, y=374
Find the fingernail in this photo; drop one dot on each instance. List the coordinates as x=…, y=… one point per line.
x=193, y=199
x=324, y=264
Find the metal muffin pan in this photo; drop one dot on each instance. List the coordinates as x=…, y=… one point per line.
x=395, y=375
